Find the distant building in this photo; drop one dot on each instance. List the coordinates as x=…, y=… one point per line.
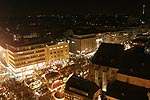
x=18, y=37
x=82, y=43
x=81, y=89
x=140, y=41
x=116, y=37
x=23, y=59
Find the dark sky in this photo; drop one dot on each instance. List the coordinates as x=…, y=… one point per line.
x=21, y=7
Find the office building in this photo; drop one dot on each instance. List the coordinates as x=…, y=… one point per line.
x=82, y=44
x=23, y=59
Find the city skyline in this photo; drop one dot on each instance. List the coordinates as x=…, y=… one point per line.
x=26, y=7
x=74, y=50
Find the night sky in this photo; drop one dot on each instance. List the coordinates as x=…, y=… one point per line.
x=28, y=7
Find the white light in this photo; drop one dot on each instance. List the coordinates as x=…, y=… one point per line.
x=50, y=48
x=72, y=42
x=19, y=52
x=66, y=45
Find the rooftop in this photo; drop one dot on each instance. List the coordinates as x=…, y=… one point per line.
x=26, y=42
x=81, y=86
x=108, y=55
x=51, y=75
x=136, y=63
x=84, y=31
x=125, y=91
x=132, y=62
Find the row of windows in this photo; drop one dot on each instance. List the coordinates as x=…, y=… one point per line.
x=58, y=47
x=56, y=56
x=60, y=51
x=28, y=53
x=72, y=97
x=67, y=96
x=29, y=47
x=30, y=57
x=27, y=62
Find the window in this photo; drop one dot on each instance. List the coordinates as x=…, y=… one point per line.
x=66, y=45
x=50, y=49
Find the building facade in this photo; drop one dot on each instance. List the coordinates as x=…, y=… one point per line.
x=78, y=88
x=23, y=60
x=82, y=43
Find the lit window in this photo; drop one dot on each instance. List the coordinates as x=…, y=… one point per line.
x=50, y=49
x=72, y=42
x=66, y=45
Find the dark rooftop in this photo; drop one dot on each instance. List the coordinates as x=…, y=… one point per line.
x=141, y=39
x=136, y=63
x=26, y=42
x=132, y=62
x=82, y=31
x=51, y=75
x=81, y=86
x=125, y=91
x=108, y=55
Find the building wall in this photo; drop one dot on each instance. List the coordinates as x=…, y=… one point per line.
x=26, y=55
x=133, y=80
x=32, y=57
x=95, y=73
x=58, y=52
x=88, y=45
x=111, y=98
x=82, y=45
x=74, y=45
x=73, y=96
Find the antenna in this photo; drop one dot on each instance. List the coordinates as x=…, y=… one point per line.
x=143, y=12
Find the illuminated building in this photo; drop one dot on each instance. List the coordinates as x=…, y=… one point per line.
x=18, y=37
x=78, y=88
x=23, y=59
x=82, y=43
